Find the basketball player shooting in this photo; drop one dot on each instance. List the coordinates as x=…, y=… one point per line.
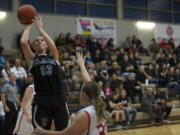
x=49, y=101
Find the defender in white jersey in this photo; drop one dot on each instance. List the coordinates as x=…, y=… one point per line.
x=95, y=128
x=24, y=124
x=91, y=119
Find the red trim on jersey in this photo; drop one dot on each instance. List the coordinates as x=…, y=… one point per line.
x=89, y=122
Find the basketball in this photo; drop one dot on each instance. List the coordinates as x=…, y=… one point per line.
x=26, y=13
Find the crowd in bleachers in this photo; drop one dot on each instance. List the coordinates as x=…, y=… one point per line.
x=119, y=70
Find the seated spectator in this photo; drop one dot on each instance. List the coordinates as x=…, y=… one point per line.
x=91, y=68
x=126, y=66
x=18, y=70
x=107, y=88
x=153, y=46
x=69, y=39
x=139, y=45
x=69, y=43
x=128, y=109
x=88, y=57
x=60, y=41
x=113, y=107
x=6, y=70
x=66, y=59
x=162, y=60
x=132, y=88
x=114, y=69
x=141, y=75
x=171, y=43
x=163, y=75
x=91, y=44
x=115, y=82
x=110, y=44
x=149, y=106
x=80, y=43
x=105, y=55
x=173, y=61
x=162, y=101
x=137, y=61
x=2, y=60
x=164, y=44
x=96, y=57
x=120, y=56
x=103, y=71
x=174, y=78
x=128, y=44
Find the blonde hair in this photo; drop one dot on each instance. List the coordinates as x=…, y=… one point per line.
x=93, y=92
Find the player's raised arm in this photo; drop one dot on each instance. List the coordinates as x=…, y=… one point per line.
x=28, y=54
x=80, y=61
x=50, y=43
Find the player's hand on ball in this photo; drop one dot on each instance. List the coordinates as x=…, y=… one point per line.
x=38, y=22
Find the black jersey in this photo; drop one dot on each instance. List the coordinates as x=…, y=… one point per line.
x=46, y=73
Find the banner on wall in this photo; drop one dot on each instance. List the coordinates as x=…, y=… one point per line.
x=99, y=28
x=165, y=31
x=84, y=26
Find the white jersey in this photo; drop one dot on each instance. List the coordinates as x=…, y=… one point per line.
x=22, y=126
x=94, y=127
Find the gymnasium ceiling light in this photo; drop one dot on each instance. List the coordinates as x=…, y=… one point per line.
x=145, y=25
x=2, y=15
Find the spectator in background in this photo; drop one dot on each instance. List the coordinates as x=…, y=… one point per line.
x=153, y=46
x=149, y=106
x=69, y=40
x=2, y=113
x=137, y=61
x=114, y=69
x=115, y=82
x=9, y=99
x=126, y=66
x=173, y=78
x=162, y=102
x=128, y=44
x=128, y=109
x=113, y=107
x=60, y=41
x=162, y=60
x=96, y=57
x=79, y=43
x=141, y=75
x=132, y=88
x=110, y=44
x=105, y=55
x=139, y=45
x=88, y=57
x=91, y=44
x=171, y=43
x=66, y=59
x=2, y=60
x=6, y=70
x=120, y=55
x=164, y=44
x=18, y=70
x=103, y=71
x=173, y=61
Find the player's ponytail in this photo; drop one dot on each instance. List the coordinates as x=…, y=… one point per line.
x=99, y=106
x=93, y=91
